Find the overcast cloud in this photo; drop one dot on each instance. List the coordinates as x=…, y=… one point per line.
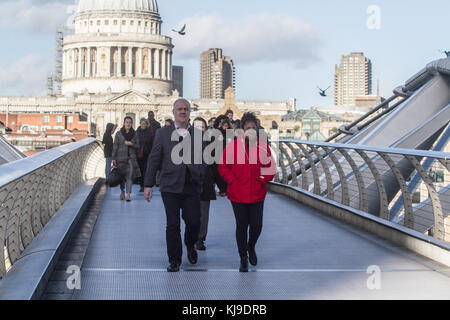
x=258, y=38
x=36, y=15
x=28, y=74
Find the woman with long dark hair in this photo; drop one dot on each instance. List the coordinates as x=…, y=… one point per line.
x=108, y=149
x=247, y=166
x=124, y=157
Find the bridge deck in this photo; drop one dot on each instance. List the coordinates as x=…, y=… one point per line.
x=302, y=255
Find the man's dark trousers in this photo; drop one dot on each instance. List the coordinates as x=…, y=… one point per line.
x=189, y=203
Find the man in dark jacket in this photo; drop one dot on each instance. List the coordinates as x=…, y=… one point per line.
x=145, y=138
x=153, y=124
x=181, y=181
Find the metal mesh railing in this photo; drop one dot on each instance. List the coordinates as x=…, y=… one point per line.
x=34, y=188
x=409, y=187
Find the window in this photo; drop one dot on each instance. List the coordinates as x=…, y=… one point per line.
x=416, y=197
x=91, y=23
x=106, y=22
x=58, y=119
x=46, y=119
x=139, y=23
x=132, y=23
x=115, y=22
x=124, y=22
x=70, y=119
x=437, y=176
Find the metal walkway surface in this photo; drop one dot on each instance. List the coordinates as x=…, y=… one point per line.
x=302, y=255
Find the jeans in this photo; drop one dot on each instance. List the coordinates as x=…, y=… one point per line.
x=248, y=215
x=128, y=183
x=108, y=167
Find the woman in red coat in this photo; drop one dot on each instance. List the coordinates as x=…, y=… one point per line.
x=247, y=166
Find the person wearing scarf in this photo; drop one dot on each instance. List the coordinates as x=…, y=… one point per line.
x=126, y=144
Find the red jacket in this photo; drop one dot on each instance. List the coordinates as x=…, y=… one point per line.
x=247, y=172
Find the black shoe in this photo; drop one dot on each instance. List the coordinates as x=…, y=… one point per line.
x=173, y=267
x=192, y=255
x=200, y=246
x=244, y=264
x=252, y=258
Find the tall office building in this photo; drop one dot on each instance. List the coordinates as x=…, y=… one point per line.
x=177, y=72
x=217, y=73
x=352, y=78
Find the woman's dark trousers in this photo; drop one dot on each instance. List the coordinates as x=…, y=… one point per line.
x=248, y=216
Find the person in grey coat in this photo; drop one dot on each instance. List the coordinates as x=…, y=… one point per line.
x=126, y=144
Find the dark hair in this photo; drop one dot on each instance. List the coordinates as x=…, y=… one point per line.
x=202, y=120
x=128, y=117
x=169, y=121
x=219, y=120
x=229, y=111
x=237, y=124
x=230, y=126
x=248, y=117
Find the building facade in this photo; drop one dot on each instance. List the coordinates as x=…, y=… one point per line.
x=178, y=79
x=217, y=73
x=353, y=77
x=117, y=46
x=118, y=64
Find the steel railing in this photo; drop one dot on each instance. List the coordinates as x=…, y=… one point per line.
x=373, y=180
x=34, y=188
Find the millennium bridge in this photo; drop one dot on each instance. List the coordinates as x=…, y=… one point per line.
x=364, y=215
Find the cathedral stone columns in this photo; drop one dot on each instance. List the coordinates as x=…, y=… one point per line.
x=108, y=60
x=164, y=65
x=130, y=62
x=157, y=72
x=88, y=61
x=119, y=61
x=140, y=61
x=74, y=71
x=79, y=62
x=170, y=66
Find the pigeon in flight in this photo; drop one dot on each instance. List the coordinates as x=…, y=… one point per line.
x=322, y=92
x=447, y=53
x=181, y=32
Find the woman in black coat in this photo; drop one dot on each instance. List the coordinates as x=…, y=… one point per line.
x=207, y=195
x=145, y=138
x=108, y=149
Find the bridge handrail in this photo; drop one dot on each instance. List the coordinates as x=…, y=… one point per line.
x=399, y=151
x=34, y=188
x=15, y=170
x=371, y=179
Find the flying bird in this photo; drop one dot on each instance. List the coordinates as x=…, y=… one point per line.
x=323, y=92
x=447, y=53
x=181, y=32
